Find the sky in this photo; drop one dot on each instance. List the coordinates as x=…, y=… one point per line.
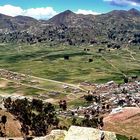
x=45, y=9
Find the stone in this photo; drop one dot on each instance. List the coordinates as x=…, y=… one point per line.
x=85, y=133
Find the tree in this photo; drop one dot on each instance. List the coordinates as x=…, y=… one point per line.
x=7, y=103
x=60, y=104
x=37, y=104
x=4, y=119
x=66, y=57
x=25, y=129
x=74, y=121
x=90, y=60
x=125, y=79
x=35, y=116
x=63, y=104
x=107, y=106
x=88, y=98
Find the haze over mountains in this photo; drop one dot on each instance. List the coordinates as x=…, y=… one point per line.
x=74, y=29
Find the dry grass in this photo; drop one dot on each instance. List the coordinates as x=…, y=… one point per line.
x=12, y=126
x=125, y=123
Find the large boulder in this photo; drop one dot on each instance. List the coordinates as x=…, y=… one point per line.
x=85, y=133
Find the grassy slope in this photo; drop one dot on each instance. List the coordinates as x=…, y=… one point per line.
x=47, y=62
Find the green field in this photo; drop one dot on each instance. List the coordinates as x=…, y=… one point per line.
x=44, y=61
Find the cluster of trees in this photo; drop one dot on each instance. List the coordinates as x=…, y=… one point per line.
x=92, y=122
x=63, y=104
x=89, y=122
x=35, y=116
x=90, y=98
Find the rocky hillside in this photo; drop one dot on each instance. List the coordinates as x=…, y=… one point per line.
x=79, y=133
x=18, y=23
x=70, y=28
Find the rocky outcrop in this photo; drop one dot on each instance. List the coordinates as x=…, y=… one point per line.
x=79, y=133
x=85, y=133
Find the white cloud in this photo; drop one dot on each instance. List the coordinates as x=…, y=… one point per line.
x=11, y=10
x=124, y=2
x=38, y=13
x=86, y=12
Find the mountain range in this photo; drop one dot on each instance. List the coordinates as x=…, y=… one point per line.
x=117, y=26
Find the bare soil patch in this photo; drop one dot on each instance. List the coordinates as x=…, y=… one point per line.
x=12, y=126
x=126, y=122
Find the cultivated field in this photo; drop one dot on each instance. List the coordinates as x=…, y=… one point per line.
x=41, y=71
x=46, y=61
x=45, y=69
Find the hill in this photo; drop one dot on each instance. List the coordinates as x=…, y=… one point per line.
x=117, y=26
x=125, y=122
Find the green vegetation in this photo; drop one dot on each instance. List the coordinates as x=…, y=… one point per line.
x=36, y=117
x=121, y=137
x=48, y=62
x=77, y=103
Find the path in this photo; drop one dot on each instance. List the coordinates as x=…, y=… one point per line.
x=131, y=53
x=27, y=85
x=42, y=79
x=113, y=66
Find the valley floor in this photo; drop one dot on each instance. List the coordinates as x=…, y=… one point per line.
x=40, y=71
